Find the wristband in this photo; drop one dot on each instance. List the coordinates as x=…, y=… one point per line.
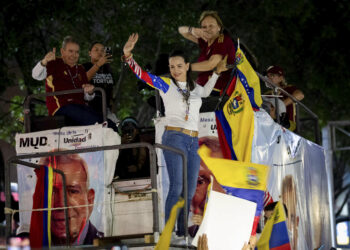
x=124, y=58
x=189, y=30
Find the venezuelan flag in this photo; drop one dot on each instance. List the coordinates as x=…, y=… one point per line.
x=225, y=135
x=275, y=234
x=248, y=78
x=40, y=224
x=161, y=83
x=238, y=124
x=241, y=179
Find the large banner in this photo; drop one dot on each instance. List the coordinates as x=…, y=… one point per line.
x=297, y=178
x=87, y=178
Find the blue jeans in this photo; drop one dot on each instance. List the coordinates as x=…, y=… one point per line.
x=189, y=145
x=83, y=115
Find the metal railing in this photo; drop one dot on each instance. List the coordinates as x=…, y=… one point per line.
x=20, y=160
x=298, y=104
x=153, y=172
x=35, y=97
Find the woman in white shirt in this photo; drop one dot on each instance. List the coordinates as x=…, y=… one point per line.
x=182, y=101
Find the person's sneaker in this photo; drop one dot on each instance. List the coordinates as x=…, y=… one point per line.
x=177, y=240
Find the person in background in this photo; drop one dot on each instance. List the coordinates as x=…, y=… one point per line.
x=214, y=43
x=269, y=106
x=99, y=73
x=132, y=162
x=64, y=73
x=277, y=76
x=268, y=211
x=182, y=101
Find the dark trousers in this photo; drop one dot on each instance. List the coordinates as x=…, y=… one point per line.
x=83, y=115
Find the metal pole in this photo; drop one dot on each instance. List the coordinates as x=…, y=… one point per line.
x=8, y=230
x=158, y=104
x=275, y=92
x=297, y=115
x=232, y=75
x=327, y=144
x=297, y=102
x=27, y=113
x=18, y=160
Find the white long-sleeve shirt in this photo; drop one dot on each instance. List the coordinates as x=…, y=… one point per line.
x=175, y=107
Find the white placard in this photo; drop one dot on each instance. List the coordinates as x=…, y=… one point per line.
x=227, y=222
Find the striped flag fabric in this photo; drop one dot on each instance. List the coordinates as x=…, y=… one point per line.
x=241, y=179
x=249, y=79
x=237, y=123
x=275, y=233
x=40, y=224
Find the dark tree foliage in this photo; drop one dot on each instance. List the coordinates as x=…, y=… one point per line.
x=308, y=38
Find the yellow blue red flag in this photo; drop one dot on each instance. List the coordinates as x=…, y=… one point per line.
x=40, y=224
x=241, y=179
x=275, y=234
x=237, y=123
x=249, y=79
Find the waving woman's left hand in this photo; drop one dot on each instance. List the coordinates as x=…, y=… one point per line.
x=130, y=44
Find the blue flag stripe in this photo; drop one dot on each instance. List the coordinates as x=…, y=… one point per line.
x=248, y=89
x=279, y=235
x=227, y=130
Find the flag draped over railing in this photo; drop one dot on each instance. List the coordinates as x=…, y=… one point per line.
x=236, y=121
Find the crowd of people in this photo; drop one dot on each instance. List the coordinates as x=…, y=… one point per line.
x=181, y=95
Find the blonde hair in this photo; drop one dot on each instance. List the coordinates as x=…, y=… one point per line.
x=213, y=14
x=288, y=186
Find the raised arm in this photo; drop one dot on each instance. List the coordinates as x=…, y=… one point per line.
x=102, y=61
x=208, y=87
x=192, y=33
x=298, y=94
x=39, y=71
x=161, y=83
x=207, y=65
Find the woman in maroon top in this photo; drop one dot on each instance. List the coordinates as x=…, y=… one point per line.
x=214, y=44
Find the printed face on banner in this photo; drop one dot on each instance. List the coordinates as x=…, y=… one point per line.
x=78, y=194
x=289, y=199
x=85, y=179
x=207, y=136
x=84, y=188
